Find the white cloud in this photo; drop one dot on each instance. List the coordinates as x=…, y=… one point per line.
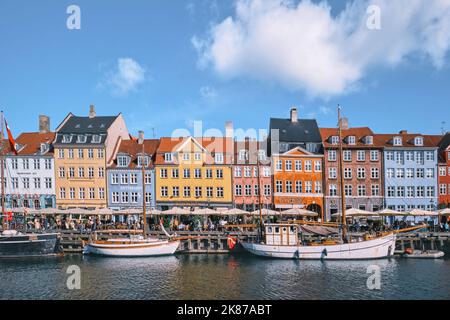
x=125, y=77
x=304, y=47
x=208, y=93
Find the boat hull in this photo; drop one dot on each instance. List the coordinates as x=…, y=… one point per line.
x=29, y=245
x=140, y=249
x=371, y=249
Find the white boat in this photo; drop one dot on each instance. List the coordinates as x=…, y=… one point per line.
x=281, y=241
x=131, y=247
x=419, y=254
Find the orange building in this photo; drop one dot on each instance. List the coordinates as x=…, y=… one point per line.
x=298, y=180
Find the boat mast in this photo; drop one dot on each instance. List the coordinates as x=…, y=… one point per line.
x=341, y=177
x=144, y=208
x=2, y=156
x=261, y=225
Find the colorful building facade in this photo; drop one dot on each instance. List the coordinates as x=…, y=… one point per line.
x=362, y=166
x=194, y=172
x=29, y=177
x=251, y=159
x=298, y=180
x=125, y=181
x=83, y=147
x=410, y=171
x=444, y=171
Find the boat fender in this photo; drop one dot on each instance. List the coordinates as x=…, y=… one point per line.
x=324, y=254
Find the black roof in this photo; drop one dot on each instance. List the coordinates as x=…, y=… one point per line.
x=443, y=144
x=86, y=125
x=304, y=130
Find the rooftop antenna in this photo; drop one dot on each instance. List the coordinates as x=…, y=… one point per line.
x=153, y=132
x=443, y=130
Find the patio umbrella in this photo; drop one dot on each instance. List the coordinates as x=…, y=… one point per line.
x=423, y=213
x=177, y=211
x=205, y=212
x=300, y=212
x=265, y=212
x=104, y=211
x=355, y=213
x=445, y=212
x=234, y=212
x=390, y=212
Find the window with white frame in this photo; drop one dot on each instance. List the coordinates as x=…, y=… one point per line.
x=361, y=190
x=332, y=173
x=400, y=173
x=318, y=187
x=361, y=155
x=198, y=192
x=134, y=197
x=361, y=173
x=420, y=191
x=375, y=190
x=279, y=186
x=308, y=186
x=176, y=191
x=374, y=173
x=430, y=173
x=347, y=155
x=347, y=173
x=124, y=197
x=248, y=190
x=60, y=153
x=197, y=156
x=218, y=158
x=369, y=140
x=101, y=193
x=62, y=193
x=219, y=192
x=332, y=155
x=62, y=172
x=91, y=172
x=209, y=192
x=409, y=156
x=243, y=155
x=122, y=161
x=237, y=172
x=197, y=173
x=81, y=172
x=430, y=191
x=298, y=165
x=148, y=178
x=391, y=191
x=279, y=165
x=37, y=164
x=348, y=190
x=389, y=155
x=186, y=156
x=37, y=183
x=334, y=140
x=267, y=190
x=443, y=189
x=247, y=172
x=186, y=173
x=91, y=193
x=352, y=140
x=115, y=197
x=409, y=173
x=208, y=173
x=397, y=141
x=70, y=153
x=266, y=171
x=175, y=173
x=288, y=165
x=418, y=141
x=26, y=163
x=124, y=178
x=71, y=172
x=288, y=186
x=219, y=174
x=81, y=194
x=72, y=193
x=442, y=171
x=410, y=191
x=114, y=178
x=238, y=190
x=420, y=173
x=399, y=157
x=133, y=178
x=298, y=186
x=101, y=172
x=332, y=190
x=419, y=157
x=429, y=156
x=80, y=153
x=163, y=173
x=400, y=191
x=100, y=153
x=308, y=165
x=48, y=164
x=317, y=166
x=168, y=157
x=164, y=191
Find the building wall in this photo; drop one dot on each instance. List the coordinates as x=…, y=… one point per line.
x=130, y=188
x=77, y=182
x=44, y=194
x=444, y=180
x=416, y=201
x=250, y=202
x=118, y=130
x=192, y=182
x=308, y=200
x=370, y=201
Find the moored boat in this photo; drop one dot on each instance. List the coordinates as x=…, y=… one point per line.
x=428, y=254
x=14, y=244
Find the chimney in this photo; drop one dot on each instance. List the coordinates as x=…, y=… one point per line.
x=344, y=123
x=91, y=111
x=44, y=124
x=140, y=137
x=229, y=129
x=294, y=114
x=403, y=132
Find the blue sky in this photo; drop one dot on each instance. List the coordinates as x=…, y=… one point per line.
x=165, y=64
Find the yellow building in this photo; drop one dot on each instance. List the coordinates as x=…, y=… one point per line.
x=82, y=148
x=194, y=172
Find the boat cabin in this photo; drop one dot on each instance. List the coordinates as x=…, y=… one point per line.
x=281, y=234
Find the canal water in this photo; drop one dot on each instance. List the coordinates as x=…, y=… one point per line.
x=222, y=277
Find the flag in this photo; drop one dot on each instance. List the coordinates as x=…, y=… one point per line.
x=12, y=143
x=9, y=216
x=231, y=242
x=132, y=138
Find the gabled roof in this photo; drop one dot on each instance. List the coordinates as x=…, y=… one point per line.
x=30, y=142
x=444, y=144
x=85, y=125
x=429, y=141
x=358, y=132
x=304, y=130
x=132, y=148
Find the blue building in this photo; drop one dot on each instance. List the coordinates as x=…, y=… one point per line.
x=124, y=175
x=410, y=171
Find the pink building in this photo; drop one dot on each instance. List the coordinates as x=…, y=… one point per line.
x=245, y=175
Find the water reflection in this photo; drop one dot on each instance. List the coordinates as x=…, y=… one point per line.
x=222, y=277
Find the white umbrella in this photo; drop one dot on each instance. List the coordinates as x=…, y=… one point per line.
x=205, y=212
x=154, y=212
x=423, y=213
x=177, y=211
x=235, y=212
x=390, y=212
x=266, y=212
x=355, y=213
x=445, y=212
x=300, y=212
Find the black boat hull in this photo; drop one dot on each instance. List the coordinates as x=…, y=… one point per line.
x=29, y=245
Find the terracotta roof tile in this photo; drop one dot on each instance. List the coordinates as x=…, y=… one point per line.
x=429, y=141
x=30, y=142
x=358, y=132
x=133, y=149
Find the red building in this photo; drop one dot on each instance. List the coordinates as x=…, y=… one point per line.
x=245, y=175
x=444, y=171
x=363, y=171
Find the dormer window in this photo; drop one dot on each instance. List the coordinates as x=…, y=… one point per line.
x=67, y=138
x=197, y=156
x=369, y=140
x=147, y=161
x=243, y=155
x=44, y=147
x=397, y=141
x=81, y=138
x=261, y=155
x=122, y=161
x=218, y=157
x=334, y=140
x=418, y=141
x=168, y=157
x=351, y=140
x=96, y=138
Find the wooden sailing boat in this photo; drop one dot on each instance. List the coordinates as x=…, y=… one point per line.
x=135, y=245
x=15, y=244
x=282, y=240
